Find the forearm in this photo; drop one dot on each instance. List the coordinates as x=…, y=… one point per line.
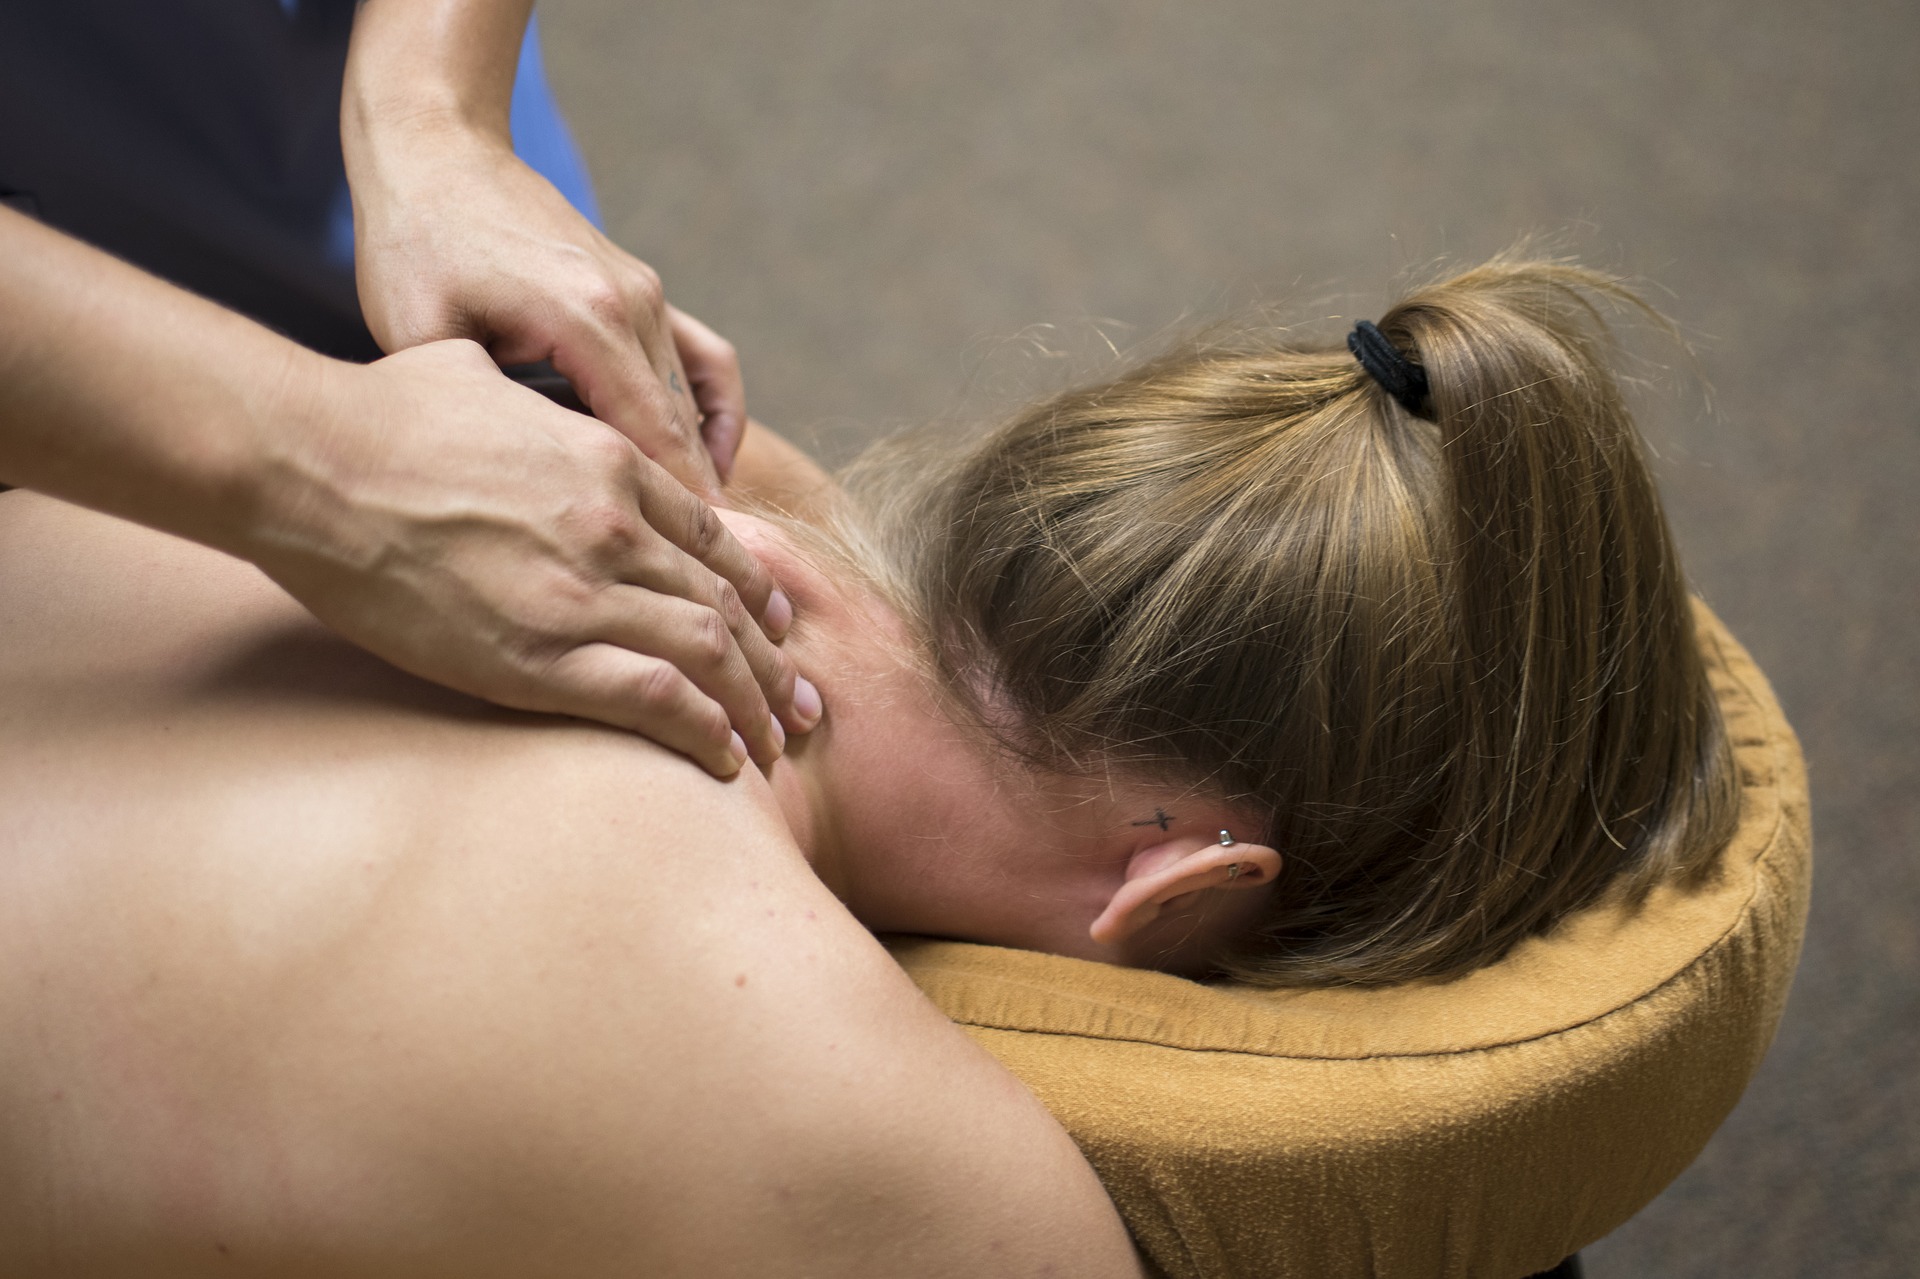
x=121, y=392
x=432, y=62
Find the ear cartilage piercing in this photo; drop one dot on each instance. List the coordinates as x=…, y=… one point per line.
x=1226, y=840
x=1233, y=871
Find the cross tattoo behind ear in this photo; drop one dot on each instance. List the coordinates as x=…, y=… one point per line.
x=1159, y=819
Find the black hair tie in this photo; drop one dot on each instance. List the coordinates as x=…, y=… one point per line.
x=1398, y=376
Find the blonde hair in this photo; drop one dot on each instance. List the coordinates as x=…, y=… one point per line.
x=1450, y=661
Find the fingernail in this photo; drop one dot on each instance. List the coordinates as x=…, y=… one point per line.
x=806, y=699
x=779, y=614
x=739, y=748
x=779, y=733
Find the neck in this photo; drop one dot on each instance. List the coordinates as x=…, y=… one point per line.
x=888, y=799
x=850, y=645
x=877, y=778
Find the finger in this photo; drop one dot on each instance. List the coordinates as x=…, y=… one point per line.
x=621, y=388
x=612, y=343
x=794, y=701
x=680, y=386
x=705, y=646
x=672, y=575
x=645, y=695
x=650, y=319
x=647, y=316
x=691, y=526
x=719, y=392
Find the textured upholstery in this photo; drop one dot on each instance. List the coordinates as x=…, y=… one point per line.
x=1483, y=1127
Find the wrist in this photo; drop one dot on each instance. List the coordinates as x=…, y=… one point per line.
x=402, y=158
x=392, y=141
x=284, y=485
x=383, y=118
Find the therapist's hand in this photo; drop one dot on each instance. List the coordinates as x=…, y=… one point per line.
x=456, y=237
x=467, y=530
x=457, y=524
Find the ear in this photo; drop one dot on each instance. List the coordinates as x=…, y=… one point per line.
x=1164, y=874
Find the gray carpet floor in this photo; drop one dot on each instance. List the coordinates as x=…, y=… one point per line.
x=905, y=212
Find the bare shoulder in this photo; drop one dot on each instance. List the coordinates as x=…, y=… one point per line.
x=770, y=469
x=168, y=715
x=307, y=964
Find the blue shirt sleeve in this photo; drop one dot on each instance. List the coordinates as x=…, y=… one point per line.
x=540, y=133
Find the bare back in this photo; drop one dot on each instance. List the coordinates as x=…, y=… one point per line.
x=307, y=967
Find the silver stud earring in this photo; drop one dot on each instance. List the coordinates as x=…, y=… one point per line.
x=1226, y=840
x=1233, y=872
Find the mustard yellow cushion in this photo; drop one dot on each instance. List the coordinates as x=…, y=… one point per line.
x=1483, y=1127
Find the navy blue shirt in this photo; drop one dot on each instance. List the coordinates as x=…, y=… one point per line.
x=200, y=139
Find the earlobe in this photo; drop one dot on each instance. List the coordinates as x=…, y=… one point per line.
x=1161, y=875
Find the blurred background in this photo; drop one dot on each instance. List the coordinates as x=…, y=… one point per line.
x=902, y=213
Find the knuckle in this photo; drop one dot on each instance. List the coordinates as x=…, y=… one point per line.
x=710, y=725
x=613, y=523
x=705, y=533
x=610, y=452
x=728, y=604
x=645, y=288
x=608, y=524
x=603, y=303
x=712, y=638
x=655, y=688
x=756, y=582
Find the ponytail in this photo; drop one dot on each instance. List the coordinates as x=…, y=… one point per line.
x=1588, y=741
